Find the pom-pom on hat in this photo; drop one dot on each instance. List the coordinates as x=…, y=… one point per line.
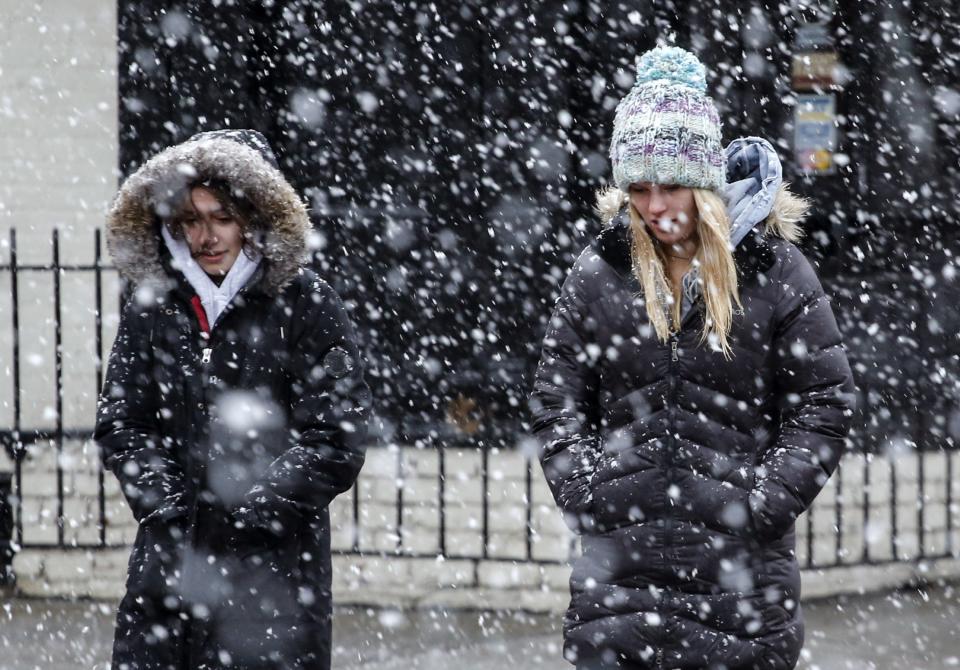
x=666, y=129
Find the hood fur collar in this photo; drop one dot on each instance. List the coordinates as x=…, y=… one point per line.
x=133, y=236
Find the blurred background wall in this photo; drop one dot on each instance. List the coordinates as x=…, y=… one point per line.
x=451, y=151
x=58, y=171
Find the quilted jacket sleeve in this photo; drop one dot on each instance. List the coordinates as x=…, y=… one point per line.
x=564, y=405
x=143, y=461
x=817, y=400
x=330, y=403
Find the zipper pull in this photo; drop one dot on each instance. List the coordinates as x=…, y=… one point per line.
x=206, y=356
x=673, y=348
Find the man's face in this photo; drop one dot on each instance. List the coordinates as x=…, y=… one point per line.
x=213, y=235
x=669, y=211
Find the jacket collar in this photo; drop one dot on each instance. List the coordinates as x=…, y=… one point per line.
x=613, y=244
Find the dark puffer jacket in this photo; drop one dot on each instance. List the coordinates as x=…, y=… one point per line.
x=684, y=471
x=229, y=448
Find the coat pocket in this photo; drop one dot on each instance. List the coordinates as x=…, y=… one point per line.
x=266, y=577
x=155, y=561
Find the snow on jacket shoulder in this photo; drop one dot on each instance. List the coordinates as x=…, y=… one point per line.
x=684, y=471
x=228, y=445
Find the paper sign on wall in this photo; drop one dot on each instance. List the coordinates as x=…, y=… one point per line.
x=815, y=133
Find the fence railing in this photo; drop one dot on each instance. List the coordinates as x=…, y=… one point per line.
x=15, y=438
x=480, y=503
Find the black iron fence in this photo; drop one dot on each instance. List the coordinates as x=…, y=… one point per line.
x=6, y=529
x=894, y=448
x=16, y=438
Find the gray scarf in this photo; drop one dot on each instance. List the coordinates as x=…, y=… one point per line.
x=754, y=176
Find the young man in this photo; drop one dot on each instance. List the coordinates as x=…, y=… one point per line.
x=233, y=411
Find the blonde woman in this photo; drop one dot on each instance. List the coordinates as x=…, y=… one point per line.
x=693, y=394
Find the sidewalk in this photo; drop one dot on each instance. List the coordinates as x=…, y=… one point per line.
x=914, y=629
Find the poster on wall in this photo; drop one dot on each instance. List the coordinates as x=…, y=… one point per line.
x=815, y=134
x=814, y=70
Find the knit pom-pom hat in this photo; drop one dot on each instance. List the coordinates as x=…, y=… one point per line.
x=666, y=129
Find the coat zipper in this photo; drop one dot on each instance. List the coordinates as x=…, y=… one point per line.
x=208, y=351
x=672, y=381
x=205, y=355
x=671, y=446
x=191, y=535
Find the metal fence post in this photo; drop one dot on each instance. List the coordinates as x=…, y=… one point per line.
x=6, y=529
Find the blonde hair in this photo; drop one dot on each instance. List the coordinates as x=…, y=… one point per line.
x=717, y=271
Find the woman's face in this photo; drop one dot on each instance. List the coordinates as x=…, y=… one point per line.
x=214, y=236
x=669, y=211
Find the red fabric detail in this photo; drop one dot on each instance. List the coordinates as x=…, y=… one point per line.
x=201, y=314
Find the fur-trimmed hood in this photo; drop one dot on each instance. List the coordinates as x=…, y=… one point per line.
x=242, y=159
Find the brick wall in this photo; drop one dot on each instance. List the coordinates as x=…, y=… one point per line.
x=505, y=578
x=58, y=142
x=58, y=101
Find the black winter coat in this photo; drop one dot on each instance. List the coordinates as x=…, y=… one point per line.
x=684, y=471
x=229, y=448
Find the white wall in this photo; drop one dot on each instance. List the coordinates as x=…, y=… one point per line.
x=58, y=169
